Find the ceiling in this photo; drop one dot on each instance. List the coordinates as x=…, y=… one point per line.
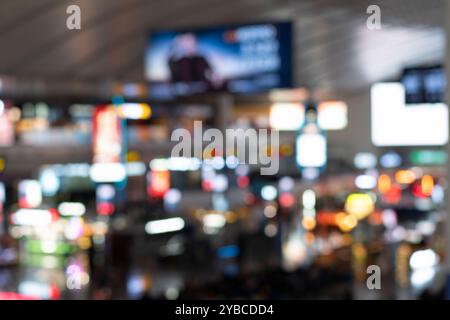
x=334, y=48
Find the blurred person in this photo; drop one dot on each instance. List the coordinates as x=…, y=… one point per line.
x=147, y=285
x=8, y=250
x=436, y=289
x=119, y=261
x=188, y=65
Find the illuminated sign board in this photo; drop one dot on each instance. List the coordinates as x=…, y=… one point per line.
x=393, y=123
x=6, y=127
x=30, y=194
x=311, y=150
x=107, y=135
x=332, y=115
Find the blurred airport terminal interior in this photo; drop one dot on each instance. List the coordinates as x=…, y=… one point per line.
x=224, y=149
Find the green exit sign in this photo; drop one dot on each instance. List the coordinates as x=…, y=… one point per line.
x=428, y=157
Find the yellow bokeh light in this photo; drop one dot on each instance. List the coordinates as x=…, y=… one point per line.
x=135, y=111
x=133, y=156
x=384, y=183
x=359, y=205
x=427, y=185
x=405, y=176
x=309, y=223
x=84, y=243
x=346, y=222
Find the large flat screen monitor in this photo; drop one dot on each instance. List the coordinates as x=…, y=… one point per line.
x=238, y=59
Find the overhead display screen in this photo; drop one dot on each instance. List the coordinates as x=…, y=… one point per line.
x=239, y=59
x=424, y=85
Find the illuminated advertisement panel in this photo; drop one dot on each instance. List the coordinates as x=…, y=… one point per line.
x=107, y=135
x=6, y=127
x=244, y=58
